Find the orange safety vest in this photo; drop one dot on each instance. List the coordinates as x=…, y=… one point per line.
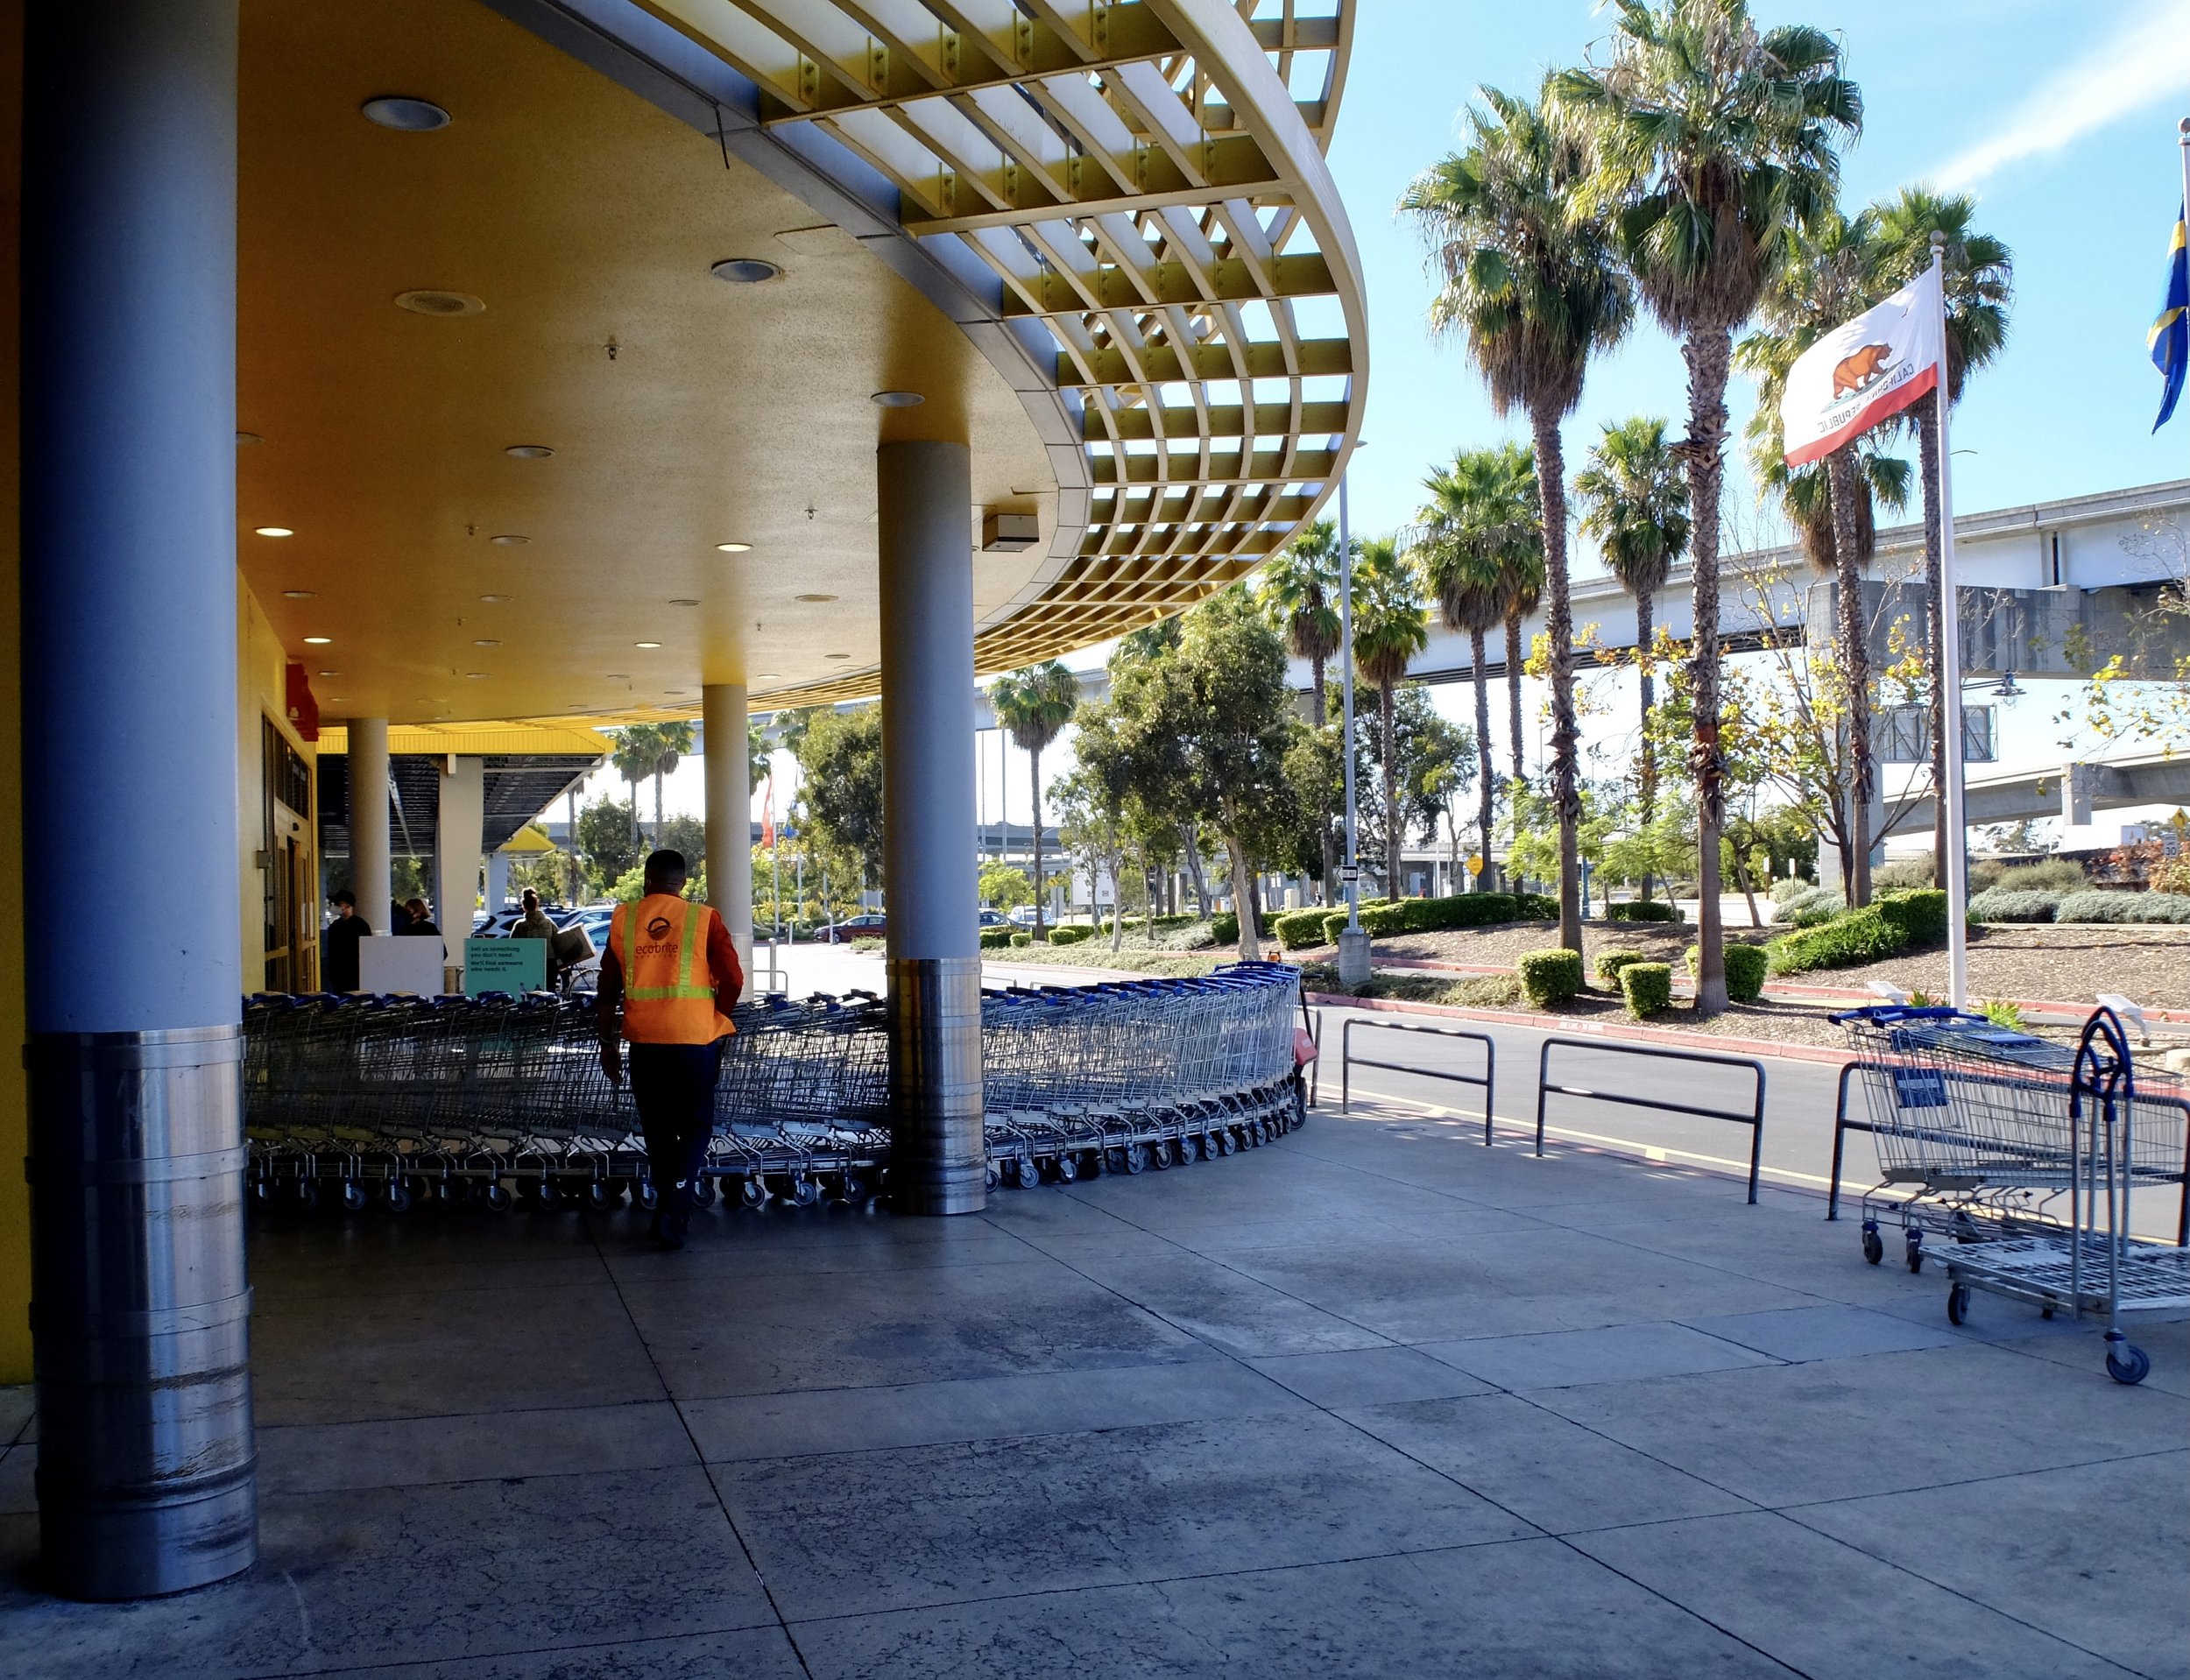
x=668, y=989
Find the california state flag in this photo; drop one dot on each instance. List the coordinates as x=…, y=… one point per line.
x=1858, y=374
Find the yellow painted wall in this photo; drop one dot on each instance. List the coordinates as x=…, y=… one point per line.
x=15, y=1132
x=261, y=691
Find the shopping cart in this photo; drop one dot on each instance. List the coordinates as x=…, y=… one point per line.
x=2093, y=1264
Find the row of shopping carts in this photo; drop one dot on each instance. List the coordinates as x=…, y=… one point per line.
x=500, y=1099
x=2025, y=1154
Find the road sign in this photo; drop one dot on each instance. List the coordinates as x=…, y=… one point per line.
x=1476, y=862
x=1349, y=874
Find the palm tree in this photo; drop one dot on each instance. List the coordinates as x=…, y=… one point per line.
x=1713, y=139
x=1389, y=628
x=1480, y=507
x=1634, y=504
x=1300, y=589
x=1980, y=276
x=1035, y=705
x=672, y=742
x=1532, y=284
x=638, y=747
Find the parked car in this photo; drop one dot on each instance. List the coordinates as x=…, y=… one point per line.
x=995, y=919
x=869, y=924
x=1023, y=916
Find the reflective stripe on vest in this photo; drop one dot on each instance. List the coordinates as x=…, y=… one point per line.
x=668, y=990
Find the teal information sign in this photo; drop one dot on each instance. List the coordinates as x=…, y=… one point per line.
x=505, y=965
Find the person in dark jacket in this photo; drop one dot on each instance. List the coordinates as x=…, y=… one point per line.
x=338, y=945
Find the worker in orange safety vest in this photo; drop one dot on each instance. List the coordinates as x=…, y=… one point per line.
x=671, y=967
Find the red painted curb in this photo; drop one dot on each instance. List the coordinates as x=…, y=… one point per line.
x=1592, y=1029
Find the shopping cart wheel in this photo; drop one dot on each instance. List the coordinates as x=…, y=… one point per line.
x=601, y=1196
x=1028, y=1173
x=353, y=1195
x=262, y=1191
x=1912, y=1247
x=1226, y=1144
x=1957, y=1303
x=1874, y=1246
x=992, y=1175
x=307, y=1193
x=1068, y=1170
x=398, y=1197
x=851, y=1190
x=805, y=1192
x=2126, y=1364
x=496, y=1196
x=754, y=1193
x=1160, y=1154
x=1137, y=1158
x=449, y=1192
x=547, y=1195
x=703, y=1192
x=647, y=1196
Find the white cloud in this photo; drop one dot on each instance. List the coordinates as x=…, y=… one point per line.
x=2141, y=63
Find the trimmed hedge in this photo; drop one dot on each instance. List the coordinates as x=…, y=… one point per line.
x=2005, y=904
x=996, y=939
x=1745, y=969
x=2165, y=907
x=1647, y=987
x=1853, y=936
x=1919, y=911
x=1071, y=935
x=1549, y=977
x=1020, y=942
x=1299, y=930
x=1812, y=909
x=1610, y=962
x=1642, y=910
x=1528, y=907
x=1224, y=927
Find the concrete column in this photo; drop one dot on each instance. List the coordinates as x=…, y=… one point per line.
x=498, y=879
x=145, y=1466
x=371, y=876
x=459, y=840
x=723, y=725
x=926, y=511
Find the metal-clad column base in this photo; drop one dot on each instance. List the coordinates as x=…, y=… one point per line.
x=938, y=1159
x=146, y=1469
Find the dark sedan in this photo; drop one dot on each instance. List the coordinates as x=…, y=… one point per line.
x=871, y=924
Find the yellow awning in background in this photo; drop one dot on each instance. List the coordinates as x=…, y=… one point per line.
x=528, y=839
x=482, y=740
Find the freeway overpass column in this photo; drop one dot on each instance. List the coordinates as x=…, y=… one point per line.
x=371, y=876
x=926, y=519
x=723, y=722
x=140, y=1315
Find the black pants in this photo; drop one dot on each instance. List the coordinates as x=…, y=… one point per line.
x=674, y=1085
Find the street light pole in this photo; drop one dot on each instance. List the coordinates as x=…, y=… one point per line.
x=1354, y=958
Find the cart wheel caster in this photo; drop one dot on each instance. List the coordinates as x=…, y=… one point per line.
x=2128, y=1365
x=1957, y=1303
x=398, y=1197
x=308, y=1194
x=804, y=1192
x=702, y=1192
x=1160, y=1154
x=755, y=1193
x=601, y=1196
x=496, y=1196
x=448, y=1192
x=1029, y=1173
x=1068, y=1170
x=1226, y=1144
x=647, y=1197
x=1914, y=1249
x=851, y=1190
x=1874, y=1248
x=992, y=1175
x=2045, y=1312
x=1137, y=1158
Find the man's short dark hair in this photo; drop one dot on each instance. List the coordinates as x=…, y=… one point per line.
x=343, y=895
x=528, y=897
x=666, y=862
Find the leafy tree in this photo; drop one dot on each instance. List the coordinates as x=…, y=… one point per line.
x=1035, y=705
x=1434, y=767
x=760, y=763
x=1390, y=629
x=1709, y=140
x=1979, y=273
x=840, y=764
x=1005, y=887
x=607, y=840
x=1098, y=796
x=1634, y=504
x=687, y=834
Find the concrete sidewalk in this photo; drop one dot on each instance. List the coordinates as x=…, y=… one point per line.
x=1372, y=1401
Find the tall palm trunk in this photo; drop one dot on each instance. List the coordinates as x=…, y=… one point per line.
x=1486, y=775
x=1033, y=770
x=1551, y=473
x=1392, y=825
x=1853, y=632
x=1513, y=658
x=1323, y=807
x=1708, y=352
x=1927, y=413
x=1644, y=632
x=657, y=807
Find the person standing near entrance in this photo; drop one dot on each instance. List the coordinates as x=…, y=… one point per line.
x=672, y=969
x=338, y=945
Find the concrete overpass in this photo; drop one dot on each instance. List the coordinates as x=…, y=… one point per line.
x=2071, y=792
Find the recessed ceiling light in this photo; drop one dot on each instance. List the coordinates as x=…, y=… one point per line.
x=898, y=399
x=244, y=439
x=617, y=676
x=409, y=115
x=494, y=599
x=338, y=700
x=483, y=642
x=510, y=540
x=298, y=595
x=767, y=676
x=744, y=271
x=319, y=641
x=836, y=656
x=813, y=597
x=677, y=691
x=733, y=548
x=272, y=530
x=529, y=451
x=440, y=303
x=477, y=676
x=684, y=601
x=330, y=674
x=646, y=644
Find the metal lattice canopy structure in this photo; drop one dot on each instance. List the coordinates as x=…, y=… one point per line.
x=1146, y=179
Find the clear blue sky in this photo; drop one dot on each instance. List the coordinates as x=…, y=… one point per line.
x=2059, y=115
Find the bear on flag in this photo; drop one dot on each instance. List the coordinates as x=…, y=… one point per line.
x=1861, y=373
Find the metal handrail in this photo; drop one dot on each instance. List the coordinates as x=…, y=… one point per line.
x=1485, y=1081
x=1754, y=1119
x=1843, y=1123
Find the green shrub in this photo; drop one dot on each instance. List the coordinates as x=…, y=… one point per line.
x=1533, y=907
x=1385, y=920
x=1298, y=929
x=1334, y=925
x=1906, y=871
x=2002, y=1012
x=1853, y=936
x=1551, y=976
x=996, y=939
x=1071, y=936
x=2165, y=907
x=1919, y=911
x=1642, y=910
x=2003, y=904
x=1647, y=987
x=1813, y=908
x=1793, y=887
x=1020, y=942
x=1745, y=967
x=1610, y=962
x=1225, y=929
x=868, y=944
x=2048, y=875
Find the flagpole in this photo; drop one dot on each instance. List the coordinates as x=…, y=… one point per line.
x=2182, y=129
x=1951, y=675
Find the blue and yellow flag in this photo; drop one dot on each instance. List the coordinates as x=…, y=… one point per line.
x=2170, y=333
